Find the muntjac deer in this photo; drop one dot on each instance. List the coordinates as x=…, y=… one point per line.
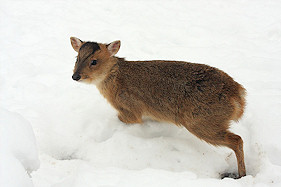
x=201, y=98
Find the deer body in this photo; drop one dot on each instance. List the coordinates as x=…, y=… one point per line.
x=201, y=98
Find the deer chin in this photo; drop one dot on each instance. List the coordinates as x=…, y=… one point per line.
x=90, y=80
x=85, y=79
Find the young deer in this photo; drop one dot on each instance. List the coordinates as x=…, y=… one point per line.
x=201, y=98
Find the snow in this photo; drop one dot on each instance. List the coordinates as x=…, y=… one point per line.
x=18, y=155
x=79, y=138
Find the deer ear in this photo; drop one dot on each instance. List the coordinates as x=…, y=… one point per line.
x=113, y=47
x=76, y=43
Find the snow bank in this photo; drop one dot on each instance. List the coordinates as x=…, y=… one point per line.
x=18, y=156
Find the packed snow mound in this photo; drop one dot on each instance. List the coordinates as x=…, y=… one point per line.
x=18, y=156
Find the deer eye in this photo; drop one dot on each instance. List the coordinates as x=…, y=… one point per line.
x=93, y=62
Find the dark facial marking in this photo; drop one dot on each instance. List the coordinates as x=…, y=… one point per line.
x=87, y=49
x=90, y=45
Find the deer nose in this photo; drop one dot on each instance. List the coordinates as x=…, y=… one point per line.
x=76, y=77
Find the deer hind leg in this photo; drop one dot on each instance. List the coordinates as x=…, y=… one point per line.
x=218, y=135
x=235, y=143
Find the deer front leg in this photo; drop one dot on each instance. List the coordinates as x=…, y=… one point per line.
x=129, y=117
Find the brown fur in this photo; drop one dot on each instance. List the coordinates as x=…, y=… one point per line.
x=201, y=98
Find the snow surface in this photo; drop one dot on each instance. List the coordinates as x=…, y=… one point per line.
x=80, y=140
